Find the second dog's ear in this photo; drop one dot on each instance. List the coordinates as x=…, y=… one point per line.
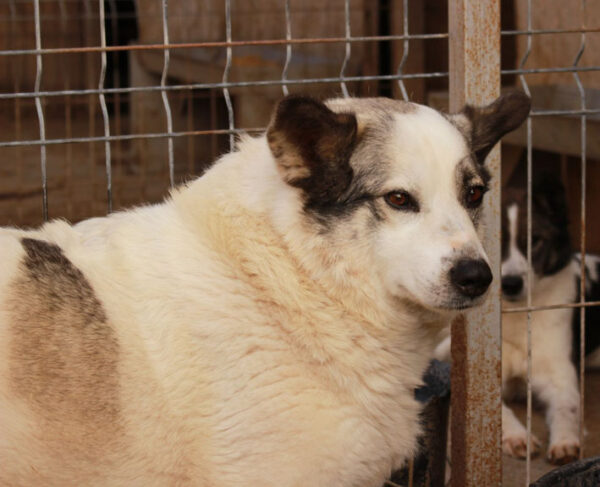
x=485, y=126
x=312, y=146
x=549, y=195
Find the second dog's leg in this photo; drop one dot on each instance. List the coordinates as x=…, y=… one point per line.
x=514, y=435
x=556, y=386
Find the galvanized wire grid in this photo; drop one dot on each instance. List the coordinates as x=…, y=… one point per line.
x=166, y=86
x=225, y=85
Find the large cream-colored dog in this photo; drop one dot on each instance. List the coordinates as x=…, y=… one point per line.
x=266, y=325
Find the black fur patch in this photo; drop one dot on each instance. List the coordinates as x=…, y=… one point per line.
x=363, y=190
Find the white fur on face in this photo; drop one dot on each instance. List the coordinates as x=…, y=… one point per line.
x=515, y=263
x=416, y=251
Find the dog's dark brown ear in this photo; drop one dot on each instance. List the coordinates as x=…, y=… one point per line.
x=486, y=125
x=312, y=146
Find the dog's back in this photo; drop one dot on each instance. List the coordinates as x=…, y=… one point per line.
x=108, y=379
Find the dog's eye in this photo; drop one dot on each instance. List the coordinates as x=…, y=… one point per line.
x=401, y=200
x=475, y=196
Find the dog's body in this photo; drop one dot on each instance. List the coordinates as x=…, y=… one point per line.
x=265, y=325
x=554, y=281
x=554, y=332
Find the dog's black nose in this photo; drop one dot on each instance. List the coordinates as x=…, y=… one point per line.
x=512, y=285
x=471, y=277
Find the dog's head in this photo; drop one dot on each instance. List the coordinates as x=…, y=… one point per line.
x=550, y=242
x=402, y=181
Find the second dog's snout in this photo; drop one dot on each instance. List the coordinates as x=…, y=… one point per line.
x=471, y=277
x=512, y=285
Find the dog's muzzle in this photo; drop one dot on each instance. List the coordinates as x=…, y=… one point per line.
x=512, y=286
x=471, y=277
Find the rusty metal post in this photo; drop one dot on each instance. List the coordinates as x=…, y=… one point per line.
x=476, y=421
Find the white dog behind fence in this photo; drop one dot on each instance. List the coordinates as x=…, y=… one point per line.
x=267, y=324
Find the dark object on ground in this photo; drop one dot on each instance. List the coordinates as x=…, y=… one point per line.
x=583, y=473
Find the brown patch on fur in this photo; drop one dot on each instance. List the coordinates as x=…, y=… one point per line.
x=63, y=354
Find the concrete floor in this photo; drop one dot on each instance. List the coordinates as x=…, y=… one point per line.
x=513, y=471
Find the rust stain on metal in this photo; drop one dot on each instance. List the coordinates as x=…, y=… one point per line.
x=476, y=372
x=459, y=397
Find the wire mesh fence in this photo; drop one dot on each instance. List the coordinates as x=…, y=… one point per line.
x=142, y=83
x=110, y=103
